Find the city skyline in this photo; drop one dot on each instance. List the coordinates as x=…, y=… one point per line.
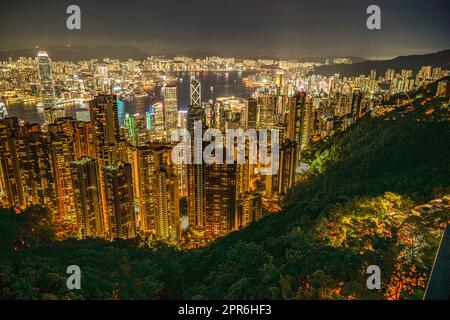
x=224, y=150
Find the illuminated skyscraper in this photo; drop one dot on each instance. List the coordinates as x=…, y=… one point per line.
x=170, y=109
x=62, y=151
x=44, y=64
x=249, y=208
x=355, y=104
x=196, y=92
x=144, y=167
x=278, y=184
x=86, y=187
x=220, y=199
x=251, y=116
x=106, y=141
x=195, y=176
x=267, y=105
x=167, y=206
x=119, y=201
x=158, y=129
x=300, y=122
x=11, y=183
x=36, y=168
x=105, y=128
x=84, y=146
x=154, y=181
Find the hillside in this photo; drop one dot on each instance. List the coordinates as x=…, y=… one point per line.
x=357, y=206
x=413, y=62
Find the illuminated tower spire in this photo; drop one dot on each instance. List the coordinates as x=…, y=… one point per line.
x=44, y=65
x=196, y=92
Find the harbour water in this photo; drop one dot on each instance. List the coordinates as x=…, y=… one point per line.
x=214, y=84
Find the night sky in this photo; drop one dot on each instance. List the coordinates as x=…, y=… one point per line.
x=290, y=28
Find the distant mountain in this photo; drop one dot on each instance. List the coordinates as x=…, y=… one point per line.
x=77, y=53
x=414, y=62
x=330, y=58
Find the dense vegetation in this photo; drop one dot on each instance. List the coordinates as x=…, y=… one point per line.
x=353, y=209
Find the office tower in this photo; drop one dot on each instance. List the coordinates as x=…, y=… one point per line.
x=130, y=129
x=267, y=105
x=251, y=118
x=167, y=205
x=170, y=109
x=135, y=129
x=157, y=128
x=11, y=183
x=51, y=111
x=195, y=92
x=220, y=181
x=86, y=186
x=249, y=208
x=195, y=177
x=62, y=151
x=119, y=201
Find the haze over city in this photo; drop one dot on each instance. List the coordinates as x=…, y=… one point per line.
x=289, y=28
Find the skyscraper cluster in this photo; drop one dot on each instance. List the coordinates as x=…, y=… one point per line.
x=100, y=179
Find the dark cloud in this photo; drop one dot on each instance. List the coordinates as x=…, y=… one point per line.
x=233, y=27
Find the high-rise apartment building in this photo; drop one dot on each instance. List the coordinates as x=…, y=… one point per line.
x=86, y=186
x=119, y=201
x=62, y=151
x=11, y=184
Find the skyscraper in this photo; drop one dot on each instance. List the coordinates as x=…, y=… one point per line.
x=267, y=105
x=167, y=205
x=251, y=116
x=106, y=141
x=302, y=133
x=170, y=109
x=249, y=208
x=220, y=199
x=196, y=92
x=11, y=183
x=86, y=185
x=119, y=201
x=195, y=177
x=62, y=151
x=105, y=128
x=44, y=64
x=36, y=168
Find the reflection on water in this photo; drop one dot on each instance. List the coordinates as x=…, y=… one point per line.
x=214, y=84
